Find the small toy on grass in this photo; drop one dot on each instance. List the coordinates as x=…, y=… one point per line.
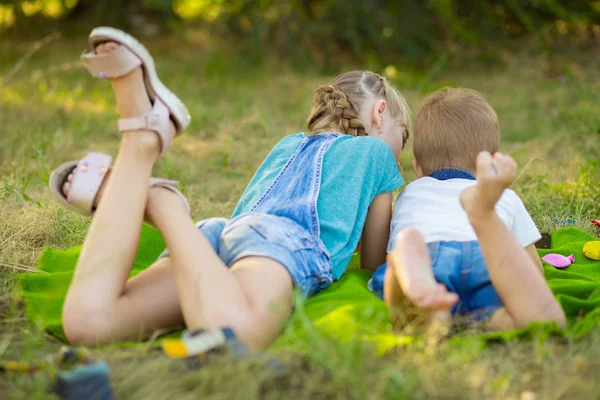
x=596, y=222
x=200, y=346
x=80, y=377
x=75, y=375
x=592, y=250
x=558, y=260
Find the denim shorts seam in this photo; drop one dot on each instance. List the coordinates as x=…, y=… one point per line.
x=316, y=189
x=465, y=272
x=434, y=251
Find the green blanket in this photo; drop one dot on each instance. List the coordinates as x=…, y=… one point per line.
x=345, y=311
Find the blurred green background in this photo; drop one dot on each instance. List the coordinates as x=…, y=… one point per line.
x=325, y=31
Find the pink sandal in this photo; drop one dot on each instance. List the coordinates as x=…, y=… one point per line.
x=87, y=180
x=123, y=60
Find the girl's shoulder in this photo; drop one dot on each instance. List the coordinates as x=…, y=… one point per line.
x=356, y=149
x=291, y=140
x=375, y=153
x=367, y=155
x=286, y=145
x=362, y=140
x=346, y=146
x=369, y=145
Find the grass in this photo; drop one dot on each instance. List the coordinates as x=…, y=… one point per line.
x=51, y=111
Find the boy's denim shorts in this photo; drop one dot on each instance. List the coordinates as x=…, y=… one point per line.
x=461, y=267
x=278, y=238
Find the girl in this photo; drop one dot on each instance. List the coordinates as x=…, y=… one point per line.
x=296, y=224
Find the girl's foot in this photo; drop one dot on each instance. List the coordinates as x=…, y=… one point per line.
x=144, y=102
x=412, y=266
x=96, y=187
x=153, y=192
x=132, y=100
x=67, y=185
x=494, y=174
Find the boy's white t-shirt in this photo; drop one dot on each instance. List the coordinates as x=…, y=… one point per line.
x=432, y=206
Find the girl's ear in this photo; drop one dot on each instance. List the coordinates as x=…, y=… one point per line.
x=417, y=168
x=378, y=110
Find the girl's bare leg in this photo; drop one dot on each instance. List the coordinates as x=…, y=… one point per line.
x=524, y=292
x=253, y=297
x=412, y=294
x=95, y=303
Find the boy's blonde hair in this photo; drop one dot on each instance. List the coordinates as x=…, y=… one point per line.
x=336, y=106
x=452, y=127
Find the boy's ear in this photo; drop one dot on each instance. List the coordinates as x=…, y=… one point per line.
x=417, y=168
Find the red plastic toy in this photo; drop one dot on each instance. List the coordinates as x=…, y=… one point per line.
x=596, y=222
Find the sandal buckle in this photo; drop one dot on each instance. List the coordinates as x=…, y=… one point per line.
x=152, y=121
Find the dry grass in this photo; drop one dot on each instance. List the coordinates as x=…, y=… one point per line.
x=550, y=126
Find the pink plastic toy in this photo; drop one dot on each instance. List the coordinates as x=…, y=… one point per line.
x=558, y=260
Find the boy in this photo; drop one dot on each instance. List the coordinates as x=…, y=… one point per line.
x=459, y=225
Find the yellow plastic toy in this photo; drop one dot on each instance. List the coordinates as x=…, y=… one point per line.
x=592, y=250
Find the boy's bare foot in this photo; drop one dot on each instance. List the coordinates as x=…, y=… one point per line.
x=494, y=174
x=412, y=267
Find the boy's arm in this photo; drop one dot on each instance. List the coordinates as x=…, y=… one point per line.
x=535, y=257
x=376, y=232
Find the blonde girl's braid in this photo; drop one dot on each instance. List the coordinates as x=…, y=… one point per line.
x=332, y=112
x=336, y=106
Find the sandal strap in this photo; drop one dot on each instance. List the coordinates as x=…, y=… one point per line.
x=113, y=64
x=156, y=120
x=91, y=171
x=170, y=185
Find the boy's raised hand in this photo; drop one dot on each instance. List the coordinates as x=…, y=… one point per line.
x=494, y=174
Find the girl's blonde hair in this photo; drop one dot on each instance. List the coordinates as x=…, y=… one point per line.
x=336, y=106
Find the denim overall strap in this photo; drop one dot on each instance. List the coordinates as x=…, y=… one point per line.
x=294, y=191
x=452, y=173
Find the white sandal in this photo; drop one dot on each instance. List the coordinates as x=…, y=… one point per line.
x=123, y=60
x=87, y=180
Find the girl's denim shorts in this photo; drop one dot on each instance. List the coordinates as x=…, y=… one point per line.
x=278, y=238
